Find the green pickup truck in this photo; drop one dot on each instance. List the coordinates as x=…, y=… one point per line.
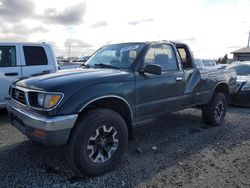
x=92, y=110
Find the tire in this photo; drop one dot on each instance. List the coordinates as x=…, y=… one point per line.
x=98, y=142
x=214, y=112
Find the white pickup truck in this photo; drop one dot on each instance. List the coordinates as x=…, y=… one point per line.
x=19, y=60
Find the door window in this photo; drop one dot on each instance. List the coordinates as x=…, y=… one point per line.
x=7, y=56
x=163, y=55
x=35, y=55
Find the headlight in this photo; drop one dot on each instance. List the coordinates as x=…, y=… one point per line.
x=44, y=100
x=48, y=101
x=246, y=87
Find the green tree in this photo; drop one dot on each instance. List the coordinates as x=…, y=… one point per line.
x=223, y=60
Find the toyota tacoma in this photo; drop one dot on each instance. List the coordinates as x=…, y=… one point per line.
x=92, y=110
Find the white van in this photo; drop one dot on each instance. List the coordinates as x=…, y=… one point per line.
x=18, y=60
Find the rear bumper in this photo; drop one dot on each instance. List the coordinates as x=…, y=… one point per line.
x=47, y=130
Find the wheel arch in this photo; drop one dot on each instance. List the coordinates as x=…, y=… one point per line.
x=223, y=88
x=115, y=103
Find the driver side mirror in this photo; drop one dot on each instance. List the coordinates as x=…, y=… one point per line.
x=152, y=69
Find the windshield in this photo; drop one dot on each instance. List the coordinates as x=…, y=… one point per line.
x=115, y=56
x=242, y=69
x=208, y=63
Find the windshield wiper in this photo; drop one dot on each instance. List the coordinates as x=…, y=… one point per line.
x=105, y=66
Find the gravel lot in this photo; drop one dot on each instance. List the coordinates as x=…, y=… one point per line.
x=187, y=153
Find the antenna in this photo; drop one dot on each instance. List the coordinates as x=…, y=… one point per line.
x=248, y=44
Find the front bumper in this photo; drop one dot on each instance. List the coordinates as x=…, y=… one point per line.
x=47, y=130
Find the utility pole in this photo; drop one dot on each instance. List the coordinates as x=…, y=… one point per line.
x=68, y=44
x=248, y=44
x=69, y=49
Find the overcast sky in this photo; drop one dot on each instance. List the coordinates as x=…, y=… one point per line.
x=211, y=27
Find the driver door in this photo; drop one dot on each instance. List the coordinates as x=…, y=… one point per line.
x=158, y=94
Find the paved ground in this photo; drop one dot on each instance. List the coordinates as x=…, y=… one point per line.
x=188, y=154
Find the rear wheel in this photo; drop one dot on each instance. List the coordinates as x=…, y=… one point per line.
x=214, y=112
x=98, y=142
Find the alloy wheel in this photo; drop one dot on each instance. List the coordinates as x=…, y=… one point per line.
x=102, y=144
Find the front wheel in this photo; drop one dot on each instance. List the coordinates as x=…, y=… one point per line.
x=214, y=112
x=98, y=142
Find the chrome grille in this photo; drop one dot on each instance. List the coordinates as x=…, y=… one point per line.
x=18, y=95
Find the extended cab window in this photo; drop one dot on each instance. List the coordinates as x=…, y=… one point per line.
x=163, y=55
x=185, y=57
x=7, y=56
x=35, y=55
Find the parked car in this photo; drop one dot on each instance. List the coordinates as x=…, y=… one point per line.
x=19, y=60
x=92, y=110
x=68, y=65
x=82, y=59
x=242, y=95
x=205, y=64
x=72, y=64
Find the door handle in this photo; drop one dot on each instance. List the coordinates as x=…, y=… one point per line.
x=11, y=74
x=178, y=78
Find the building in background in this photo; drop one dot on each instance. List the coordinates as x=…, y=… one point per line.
x=242, y=54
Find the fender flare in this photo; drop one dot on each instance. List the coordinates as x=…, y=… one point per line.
x=210, y=98
x=109, y=96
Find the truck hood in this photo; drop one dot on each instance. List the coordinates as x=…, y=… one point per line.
x=73, y=79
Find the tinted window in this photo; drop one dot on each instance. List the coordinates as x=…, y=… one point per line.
x=35, y=55
x=7, y=56
x=163, y=55
x=185, y=57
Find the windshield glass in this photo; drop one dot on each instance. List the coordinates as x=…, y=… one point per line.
x=242, y=69
x=208, y=63
x=115, y=56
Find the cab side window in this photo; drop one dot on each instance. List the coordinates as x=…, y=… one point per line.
x=163, y=55
x=185, y=58
x=7, y=56
x=35, y=55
